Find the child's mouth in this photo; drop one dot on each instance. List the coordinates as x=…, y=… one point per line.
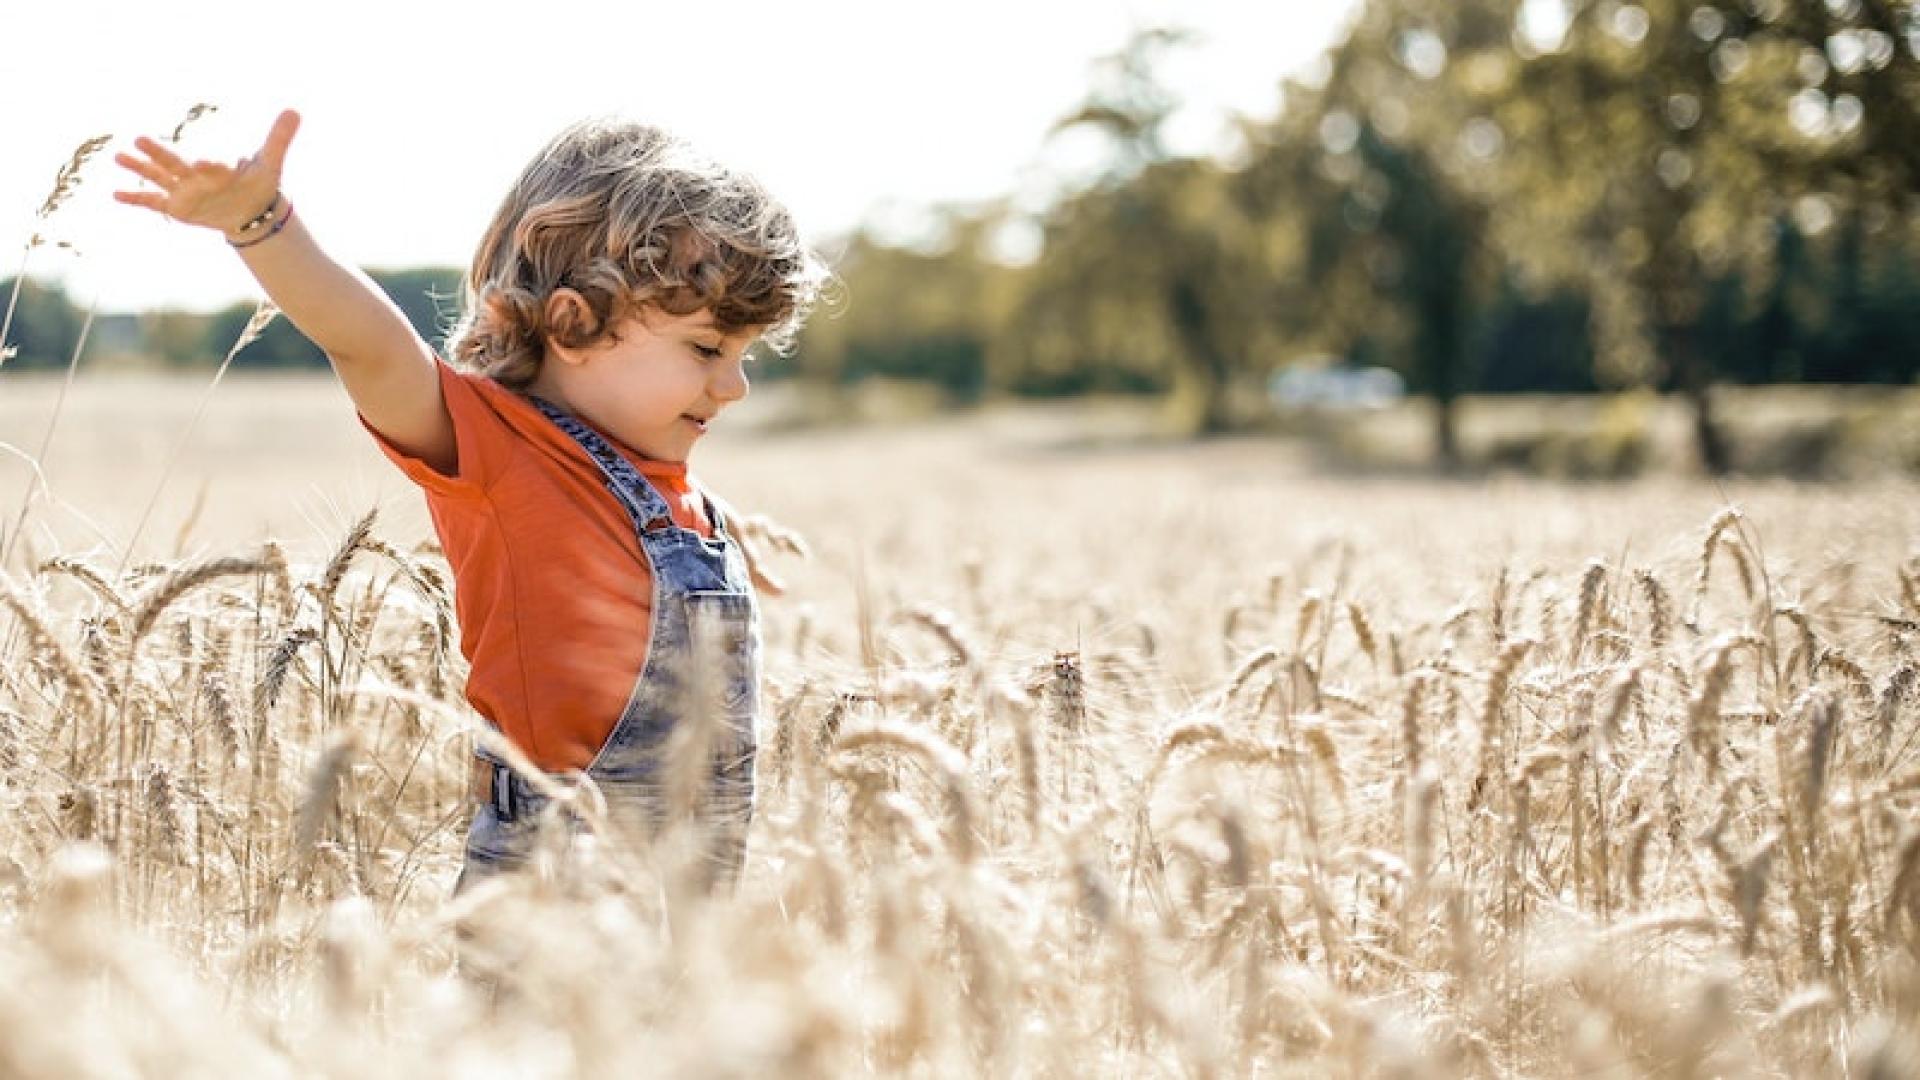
x=698, y=424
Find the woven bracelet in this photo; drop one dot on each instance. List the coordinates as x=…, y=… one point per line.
x=264, y=216
x=270, y=233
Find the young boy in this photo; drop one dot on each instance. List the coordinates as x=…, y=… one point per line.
x=604, y=604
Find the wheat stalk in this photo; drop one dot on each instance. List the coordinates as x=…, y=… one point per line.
x=46, y=646
x=941, y=759
x=1659, y=608
x=321, y=796
x=178, y=584
x=944, y=626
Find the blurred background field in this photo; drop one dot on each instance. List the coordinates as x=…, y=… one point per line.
x=283, y=455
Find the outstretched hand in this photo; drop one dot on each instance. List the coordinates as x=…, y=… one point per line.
x=210, y=193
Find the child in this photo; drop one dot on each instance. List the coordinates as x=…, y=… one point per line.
x=603, y=599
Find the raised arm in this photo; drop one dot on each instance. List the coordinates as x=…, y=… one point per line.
x=386, y=368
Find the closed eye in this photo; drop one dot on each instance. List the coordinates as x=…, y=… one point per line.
x=707, y=353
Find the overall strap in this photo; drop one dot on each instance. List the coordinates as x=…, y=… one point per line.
x=643, y=504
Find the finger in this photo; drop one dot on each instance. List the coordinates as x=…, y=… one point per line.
x=150, y=200
x=146, y=170
x=274, y=153
x=162, y=156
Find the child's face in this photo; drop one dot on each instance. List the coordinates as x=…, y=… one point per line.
x=659, y=380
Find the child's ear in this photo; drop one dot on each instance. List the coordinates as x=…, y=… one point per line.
x=570, y=324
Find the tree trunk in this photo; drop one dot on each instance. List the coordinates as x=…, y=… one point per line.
x=1446, y=437
x=1442, y=301
x=1695, y=379
x=1204, y=363
x=1215, y=416
x=1673, y=292
x=1709, y=443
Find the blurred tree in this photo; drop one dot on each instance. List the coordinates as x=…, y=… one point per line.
x=1528, y=342
x=177, y=339
x=1774, y=351
x=1396, y=228
x=278, y=346
x=426, y=296
x=45, y=327
x=927, y=314
x=1857, y=112
x=1149, y=274
x=1150, y=282
x=1859, y=299
x=1853, y=133
x=1601, y=184
x=1128, y=104
x=46, y=324
x=1653, y=149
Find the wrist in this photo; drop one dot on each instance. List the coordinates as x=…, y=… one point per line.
x=256, y=225
x=264, y=226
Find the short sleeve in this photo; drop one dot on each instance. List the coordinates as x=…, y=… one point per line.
x=483, y=440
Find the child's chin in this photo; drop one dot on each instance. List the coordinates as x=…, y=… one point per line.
x=673, y=448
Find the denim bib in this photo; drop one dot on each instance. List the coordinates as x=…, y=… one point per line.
x=703, y=659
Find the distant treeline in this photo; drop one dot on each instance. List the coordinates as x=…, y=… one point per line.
x=1834, y=312
x=47, y=325
x=1825, y=313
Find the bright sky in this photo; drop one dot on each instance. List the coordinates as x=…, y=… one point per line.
x=418, y=115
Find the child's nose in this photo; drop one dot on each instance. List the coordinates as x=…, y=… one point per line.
x=729, y=383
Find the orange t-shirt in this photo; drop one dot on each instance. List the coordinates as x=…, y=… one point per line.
x=552, y=590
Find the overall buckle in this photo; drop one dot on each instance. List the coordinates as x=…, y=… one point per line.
x=492, y=784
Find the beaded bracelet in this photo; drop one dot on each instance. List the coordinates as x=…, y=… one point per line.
x=270, y=233
x=264, y=217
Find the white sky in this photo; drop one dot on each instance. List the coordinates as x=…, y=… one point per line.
x=418, y=115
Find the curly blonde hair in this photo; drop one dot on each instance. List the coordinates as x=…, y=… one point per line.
x=628, y=216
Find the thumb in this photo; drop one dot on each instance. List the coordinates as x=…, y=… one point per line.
x=274, y=153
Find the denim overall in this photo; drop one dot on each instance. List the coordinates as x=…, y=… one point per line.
x=703, y=654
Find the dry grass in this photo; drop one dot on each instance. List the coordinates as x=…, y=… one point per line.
x=1159, y=762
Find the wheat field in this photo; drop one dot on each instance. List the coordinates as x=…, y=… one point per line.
x=1077, y=760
